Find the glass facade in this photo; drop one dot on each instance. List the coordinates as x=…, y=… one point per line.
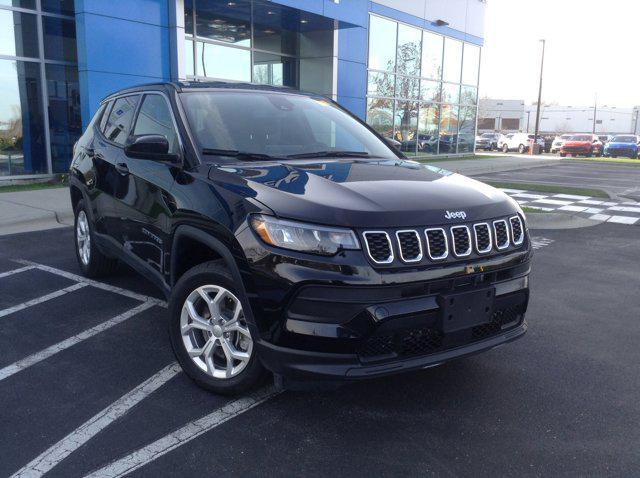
x=256, y=41
x=39, y=91
x=422, y=88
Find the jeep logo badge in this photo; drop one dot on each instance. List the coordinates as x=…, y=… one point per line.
x=455, y=215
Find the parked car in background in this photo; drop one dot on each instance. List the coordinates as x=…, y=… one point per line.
x=488, y=141
x=623, y=145
x=520, y=142
x=559, y=142
x=582, y=145
x=503, y=139
x=604, y=138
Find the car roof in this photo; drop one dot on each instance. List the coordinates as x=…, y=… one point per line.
x=186, y=86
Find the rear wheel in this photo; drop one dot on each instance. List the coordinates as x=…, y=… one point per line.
x=209, y=331
x=505, y=148
x=521, y=149
x=92, y=262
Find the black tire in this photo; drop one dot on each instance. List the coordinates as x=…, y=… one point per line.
x=98, y=264
x=505, y=148
x=209, y=273
x=521, y=149
x=563, y=155
x=588, y=155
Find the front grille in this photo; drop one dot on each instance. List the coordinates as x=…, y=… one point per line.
x=501, y=234
x=379, y=246
x=517, y=232
x=461, y=241
x=483, y=238
x=437, y=245
x=397, y=247
x=410, y=245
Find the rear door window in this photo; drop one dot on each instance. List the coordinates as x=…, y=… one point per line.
x=120, y=117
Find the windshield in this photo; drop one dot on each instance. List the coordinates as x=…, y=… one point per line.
x=276, y=124
x=489, y=136
x=624, y=139
x=565, y=136
x=580, y=137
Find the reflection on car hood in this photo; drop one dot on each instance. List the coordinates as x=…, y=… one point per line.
x=362, y=193
x=577, y=143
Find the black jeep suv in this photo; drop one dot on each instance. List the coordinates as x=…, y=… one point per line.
x=289, y=236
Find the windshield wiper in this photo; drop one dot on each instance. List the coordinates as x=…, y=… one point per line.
x=331, y=154
x=244, y=155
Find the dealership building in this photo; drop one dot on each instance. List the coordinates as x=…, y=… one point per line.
x=409, y=68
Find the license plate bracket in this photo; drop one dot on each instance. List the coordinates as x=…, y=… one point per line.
x=463, y=310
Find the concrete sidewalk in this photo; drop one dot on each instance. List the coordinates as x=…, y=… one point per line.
x=36, y=210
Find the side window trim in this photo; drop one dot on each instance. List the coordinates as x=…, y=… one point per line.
x=105, y=116
x=171, y=113
x=135, y=115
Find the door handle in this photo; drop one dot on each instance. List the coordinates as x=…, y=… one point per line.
x=122, y=168
x=90, y=152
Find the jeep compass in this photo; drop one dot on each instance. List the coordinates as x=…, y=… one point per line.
x=290, y=237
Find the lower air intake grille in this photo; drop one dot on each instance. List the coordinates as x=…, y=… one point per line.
x=483, y=238
x=501, y=234
x=437, y=243
x=379, y=247
x=517, y=234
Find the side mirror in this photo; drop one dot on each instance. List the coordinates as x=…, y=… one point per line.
x=154, y=147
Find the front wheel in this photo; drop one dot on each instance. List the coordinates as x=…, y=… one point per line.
x=505, y=148
x=521, y=149
x=92, y=262
x=209, y=331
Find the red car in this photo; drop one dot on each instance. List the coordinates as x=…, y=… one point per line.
x=582, y=145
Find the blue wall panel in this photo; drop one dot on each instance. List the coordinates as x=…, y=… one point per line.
x=358, y=106
x=121, y=43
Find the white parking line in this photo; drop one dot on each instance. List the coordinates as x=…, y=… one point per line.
x=39, y=300
x=93, y=283
x=16, y=271
x=65, y=344
x=183, y=435
x=65, y=447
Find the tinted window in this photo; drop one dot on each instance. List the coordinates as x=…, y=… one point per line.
x=382, y=44
x=59, y=39
x=155, y=118
x=63, y=7
x=276, y=124
x=22, y=137
x=65, y=123
x=18, y=34
x=117, y=128
x=105, y=116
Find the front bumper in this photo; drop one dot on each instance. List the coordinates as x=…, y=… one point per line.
x=340, y=319
x=621, y=152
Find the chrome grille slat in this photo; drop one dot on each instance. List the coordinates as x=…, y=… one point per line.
x=437, y=243
x=483, y=239
x=461, y=237
x=409, y=245
x=517, y=230
x=501, y=234
x=379, y=246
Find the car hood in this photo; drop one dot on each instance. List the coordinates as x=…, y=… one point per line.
x=621, y=145
x=577, y=143
x=363, y=193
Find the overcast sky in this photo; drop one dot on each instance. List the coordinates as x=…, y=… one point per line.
x=584, y=40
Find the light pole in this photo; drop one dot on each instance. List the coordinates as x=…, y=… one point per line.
x=535, y=136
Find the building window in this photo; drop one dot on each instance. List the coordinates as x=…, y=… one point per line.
x=422, y=88
x=39, y=91
x=260, y=42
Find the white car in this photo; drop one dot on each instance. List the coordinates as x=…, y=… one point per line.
x=558, y=142
x=520, y=142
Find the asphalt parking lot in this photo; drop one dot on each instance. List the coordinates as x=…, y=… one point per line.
x=88, y=383
x=619, y=179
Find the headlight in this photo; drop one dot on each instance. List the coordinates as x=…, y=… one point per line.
x=298, y=236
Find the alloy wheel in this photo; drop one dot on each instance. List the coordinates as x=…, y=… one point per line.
x=214, y=332
x=83, y=238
